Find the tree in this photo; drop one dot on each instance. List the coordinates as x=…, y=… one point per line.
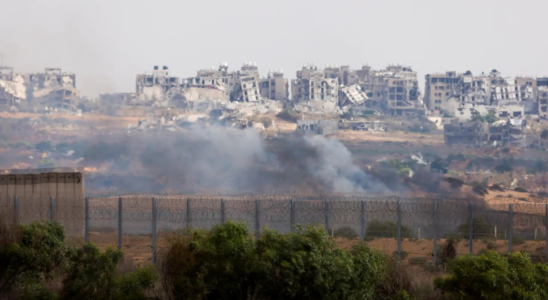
x=227, y=263
x=491, y=118
x=492, y=276
x=34, y=253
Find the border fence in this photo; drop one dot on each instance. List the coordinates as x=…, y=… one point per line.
x=416, y=230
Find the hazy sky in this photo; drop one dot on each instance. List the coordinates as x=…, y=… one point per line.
x=106, y=43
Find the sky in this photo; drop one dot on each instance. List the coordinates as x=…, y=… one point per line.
x=106, y=43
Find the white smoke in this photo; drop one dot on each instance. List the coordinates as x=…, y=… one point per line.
x=336, y=167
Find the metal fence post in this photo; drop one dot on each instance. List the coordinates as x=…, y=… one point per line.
x=362, y=227
x=292, y=214
x=510, y=227
x=86, y=224
x=15, y=210
x=223, y=211
x=154, y=216
x=257, y=217
x=120, y=223
x=399, y=231
x=188, y=221
x=327, y=215
x=435, y=250
x=471, y=228
x=546, y=227
x=51, y=209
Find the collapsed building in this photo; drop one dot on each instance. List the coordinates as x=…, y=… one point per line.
x=476, y=133
x=50, y=90
x=508, y=132
x=244, y=85
x=466, y=133
x=462, y=95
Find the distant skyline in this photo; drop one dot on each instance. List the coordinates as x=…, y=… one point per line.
x=106, y=43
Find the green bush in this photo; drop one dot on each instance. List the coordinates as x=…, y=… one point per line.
x=380, y=229
x=481, y=229
x=33, y=253
x=345, y=232
x=227, y=263
x=288, y=115
x=37, y=255
x=492, y=276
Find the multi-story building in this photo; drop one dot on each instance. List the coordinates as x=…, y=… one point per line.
x=242, y=85
x=51, y=89
x=275, y=86
x=542, y=85
x=439, y=88
x=466, y=133
x=402, y=93
x=313, y=85
x=157, y=86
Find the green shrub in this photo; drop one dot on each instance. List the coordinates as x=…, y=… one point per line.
x=379, y=229
x=492, y=276
x=34, y=253
x=227, y=263
x=288, y=114
x=481, y=229
x=345, y=232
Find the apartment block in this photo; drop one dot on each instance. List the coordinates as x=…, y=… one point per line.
x=313, y=85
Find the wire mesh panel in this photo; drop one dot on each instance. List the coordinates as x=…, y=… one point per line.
x=309, y=212
x=418, y=229
x=241, y=210
x=172, y=213
x=380, y=219
x=529, y=222
x=345, y=217
x=204, y=212
x=137, y=228
x=491, y=227
x=275, y=214
x=103, y=221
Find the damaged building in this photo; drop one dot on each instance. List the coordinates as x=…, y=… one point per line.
x=275, y=86
x=470, y=133
x=542, y=98
x=351, y=96
x=322, y=127
x=49, y=90
x=313, y=85
x=463, y=95
x=508, y=132
x=157, y=88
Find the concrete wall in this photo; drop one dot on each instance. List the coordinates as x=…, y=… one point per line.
x=34, y=188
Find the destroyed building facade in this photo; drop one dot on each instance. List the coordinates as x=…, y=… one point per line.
x=313, y=85
x=157, y=87
x=275, y=86
x=49, y=90
x=472, y=133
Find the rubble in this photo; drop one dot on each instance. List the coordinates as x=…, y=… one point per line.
x=52, y=89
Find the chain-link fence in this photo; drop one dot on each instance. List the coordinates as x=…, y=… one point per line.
x=418, y=230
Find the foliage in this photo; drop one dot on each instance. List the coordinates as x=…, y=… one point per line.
x=491, y=117
x=492, y=276
x=226, y=263
x=34, y=254
x=348, y=115
x=507, y=165
x=288, y=114
x=92, y=275
x=481, y=229
x=345, y=232
x=380, y=229
x=38, y=255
